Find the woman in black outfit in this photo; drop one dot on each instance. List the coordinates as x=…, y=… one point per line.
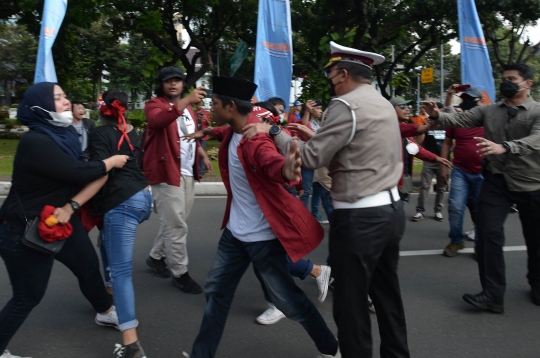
x=49, y=169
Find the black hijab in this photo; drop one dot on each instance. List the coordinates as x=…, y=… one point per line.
x=42, y=95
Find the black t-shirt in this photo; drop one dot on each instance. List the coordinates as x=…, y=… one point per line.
x=434, y=141
x=43, y=174
x=122, y=183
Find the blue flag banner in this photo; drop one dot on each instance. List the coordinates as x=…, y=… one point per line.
x=475, y=64
x=53, y=15
x=273, y=54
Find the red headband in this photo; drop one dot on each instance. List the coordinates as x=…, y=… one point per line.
x=118, y=111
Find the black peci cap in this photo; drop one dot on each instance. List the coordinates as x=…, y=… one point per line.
x=233, y=87
x=170, y=72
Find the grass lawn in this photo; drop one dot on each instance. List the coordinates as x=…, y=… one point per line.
x=8, y=147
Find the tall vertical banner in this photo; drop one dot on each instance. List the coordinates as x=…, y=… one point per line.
x=273, y=53
x=53, y=15
x=475, y=64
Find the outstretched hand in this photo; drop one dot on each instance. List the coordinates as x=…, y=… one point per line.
x=291, y=167
x=192, y=136
x=253, y=129
x=431, y=108
x=301, y=129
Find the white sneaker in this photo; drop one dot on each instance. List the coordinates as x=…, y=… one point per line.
x=337, y=355
x=471, y=234
x=109, y=319
x=438, y=216
x=418, y=216
x=322, y=282
x=6, y=354
x=271, y=315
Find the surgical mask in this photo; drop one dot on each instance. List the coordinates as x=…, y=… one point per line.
x=510, y=89
x=281, y=118
x=412, y=148
x=62, y=119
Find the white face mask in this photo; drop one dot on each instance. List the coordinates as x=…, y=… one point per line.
x=412, y=148
x=62, y=119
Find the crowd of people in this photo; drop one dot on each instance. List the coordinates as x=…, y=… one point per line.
x=355, y=159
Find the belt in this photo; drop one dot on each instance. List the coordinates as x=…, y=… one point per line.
x=379, y=199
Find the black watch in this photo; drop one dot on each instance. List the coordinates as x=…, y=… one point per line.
x=506, y=146
x=274, y=130
x=74, y=205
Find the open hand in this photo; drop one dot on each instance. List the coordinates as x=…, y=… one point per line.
x=291, y=167
x=193, y=136
x=431, y=108
x=301, y=129
x=488, y=147
x=444, y=162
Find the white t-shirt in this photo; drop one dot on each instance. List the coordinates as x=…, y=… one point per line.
x=246, y=221
x=187, y=149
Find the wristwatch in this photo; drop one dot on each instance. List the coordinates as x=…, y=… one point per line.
x=74, y=205
x=274, y=130
x=506, y=146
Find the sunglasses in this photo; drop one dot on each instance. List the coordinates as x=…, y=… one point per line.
x=282, y=110
x=328, y=71
x=403, y=106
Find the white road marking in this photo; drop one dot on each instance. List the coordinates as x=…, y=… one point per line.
x=465, y=251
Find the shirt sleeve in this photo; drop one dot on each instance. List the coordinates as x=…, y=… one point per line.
x=468, y=119
x=99, y=146
x=408, y=129
x=529, y=144
x=160, y=115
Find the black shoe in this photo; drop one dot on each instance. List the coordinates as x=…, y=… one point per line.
x=133, y=350
x=187, y=284
x=535, y=295
x=159, y=267
x=484, y=302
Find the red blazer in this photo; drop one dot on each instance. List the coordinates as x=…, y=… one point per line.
x=295, y=228
x=162, y=143
x=407, y=131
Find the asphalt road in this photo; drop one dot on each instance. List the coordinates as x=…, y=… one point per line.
x=440, y=324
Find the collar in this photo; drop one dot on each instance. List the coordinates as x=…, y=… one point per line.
x=527, y=104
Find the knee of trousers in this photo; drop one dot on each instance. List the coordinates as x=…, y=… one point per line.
x=26, y=302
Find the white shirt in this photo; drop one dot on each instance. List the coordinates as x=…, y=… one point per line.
x=187, y=149
x=314, y=125
x=246, y=221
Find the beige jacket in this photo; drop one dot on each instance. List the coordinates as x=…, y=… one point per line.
x=372, y=162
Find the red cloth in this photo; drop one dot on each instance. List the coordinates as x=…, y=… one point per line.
x=406, y=129
x=162, y=143
x=204, y=124
x=295, y=228
x=88, y=220
x=465, y=156
x=52, y=233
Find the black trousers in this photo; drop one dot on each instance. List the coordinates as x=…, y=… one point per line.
x=364, y=246
x=493, y=207
x=29, y=273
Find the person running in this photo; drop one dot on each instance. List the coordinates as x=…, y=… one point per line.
x=262, y=224
x=125, y=201
x=49, y=169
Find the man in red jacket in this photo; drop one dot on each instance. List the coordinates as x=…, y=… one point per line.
x=171, y=165
x=263, y=222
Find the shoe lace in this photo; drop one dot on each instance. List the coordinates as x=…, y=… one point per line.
x=119, y=350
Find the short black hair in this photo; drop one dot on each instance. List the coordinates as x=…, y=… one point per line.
x=268, y=106
x=243, y=107
x=74, y=102
x=159, y=91
x=357, y=71
x=524, y=71
x=275, y=101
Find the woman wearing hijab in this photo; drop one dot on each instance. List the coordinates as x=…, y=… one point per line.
x=49, y=169
x=125, y=201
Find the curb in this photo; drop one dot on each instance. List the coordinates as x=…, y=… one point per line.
x=201, y=189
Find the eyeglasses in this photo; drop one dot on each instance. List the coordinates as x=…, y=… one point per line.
x=282, y=110
x=328, y=71
x=403, y=106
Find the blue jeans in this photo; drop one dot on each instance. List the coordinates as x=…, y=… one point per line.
x=307, y=185
x=104, y=261
x=270, y=259
x=201, y=164
x=464, y=191
x=118, y=235
x=300, y=269
x=320, y=193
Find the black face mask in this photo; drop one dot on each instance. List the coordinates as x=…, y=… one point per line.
x=332, y=87
x=509, y=89
x=466, y=105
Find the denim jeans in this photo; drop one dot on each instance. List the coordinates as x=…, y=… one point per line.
x=301, y=269
x=201, y=164
x=270, y=259
x=118, y=234
x=29, y=273
x=307, y=185
x=320, y=193
x=464, y=191
x=104, y=261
